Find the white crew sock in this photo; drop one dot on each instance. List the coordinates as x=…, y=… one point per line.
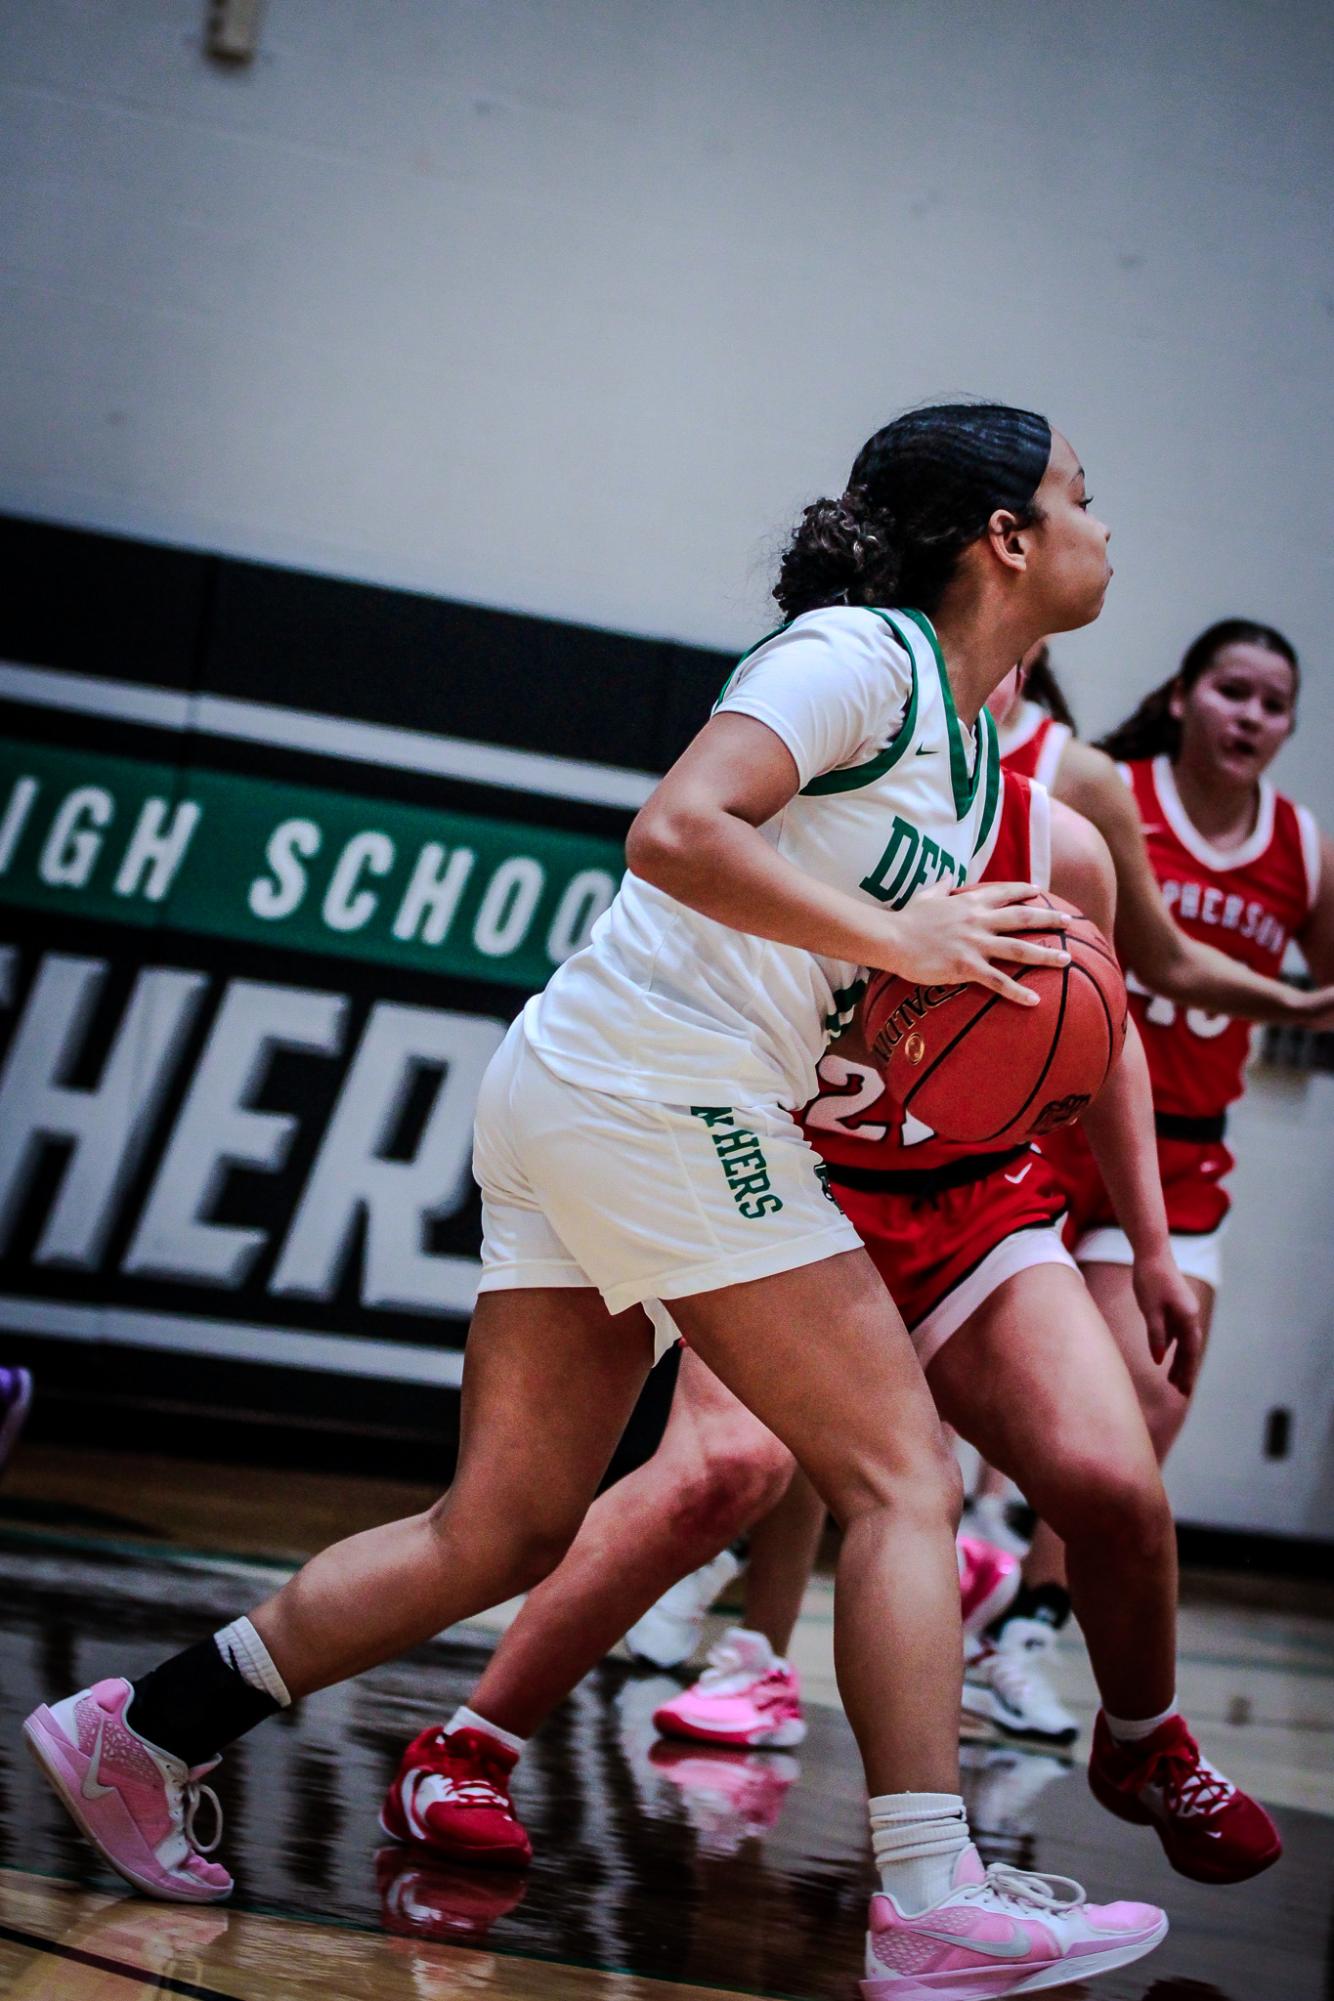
x=1134, y=1730
x=242, y=1649
x=917, y=1839
x=468, y=1719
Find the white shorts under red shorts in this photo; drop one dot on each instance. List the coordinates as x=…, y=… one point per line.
x=943, y=1251
x=1193, y=1172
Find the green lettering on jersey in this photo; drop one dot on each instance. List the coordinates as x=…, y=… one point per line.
x=886, y=877
x=910, y=860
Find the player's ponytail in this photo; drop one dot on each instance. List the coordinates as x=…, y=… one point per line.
x=842, y=553
x=1041, y=686
x=1152, y=730
x=921, y=490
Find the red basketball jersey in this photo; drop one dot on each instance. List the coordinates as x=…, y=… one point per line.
x=854, y=1121
x=1032, y=742
x=1248, y=902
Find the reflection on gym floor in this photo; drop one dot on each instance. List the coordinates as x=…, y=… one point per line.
x=655, y=1862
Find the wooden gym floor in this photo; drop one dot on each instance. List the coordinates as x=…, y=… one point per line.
x=662, y=1873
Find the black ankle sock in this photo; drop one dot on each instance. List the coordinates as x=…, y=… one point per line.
x=195, y=1703
x=1049, y=1604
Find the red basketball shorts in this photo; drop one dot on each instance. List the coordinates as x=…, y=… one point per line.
x=942, y=1255
x=1193, y=1173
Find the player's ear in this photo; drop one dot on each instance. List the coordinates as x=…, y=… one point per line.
x=1007, y=539
x=1176, y=700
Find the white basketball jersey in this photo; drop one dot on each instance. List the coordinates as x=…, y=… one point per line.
x=896, y=795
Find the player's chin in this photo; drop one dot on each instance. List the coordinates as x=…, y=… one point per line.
x=1084, y=609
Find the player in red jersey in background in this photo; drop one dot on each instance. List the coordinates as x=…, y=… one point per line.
x=1199, y=976
x=1242, y=869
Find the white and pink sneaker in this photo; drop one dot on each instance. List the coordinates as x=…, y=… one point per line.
x=989, y=1580
x=746, y=1696
x=1001, y=1931
x=136, y=1803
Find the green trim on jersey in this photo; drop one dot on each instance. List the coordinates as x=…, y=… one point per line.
x=853, y=776
x=964, y=784
x=990, y=742
x=846, y=1001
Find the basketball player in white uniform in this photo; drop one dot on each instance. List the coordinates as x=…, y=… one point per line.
x=636, y=1143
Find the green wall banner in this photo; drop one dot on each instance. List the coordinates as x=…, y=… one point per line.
x=220, y=853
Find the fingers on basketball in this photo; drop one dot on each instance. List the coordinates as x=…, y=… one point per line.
x=982, y=1075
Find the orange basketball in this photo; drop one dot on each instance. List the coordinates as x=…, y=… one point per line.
x=981, y=1070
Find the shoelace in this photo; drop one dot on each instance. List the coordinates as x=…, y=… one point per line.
x=1190, y=1784
x=487, y=1790
x=726, y=1660
x=1031, y=1889
x=194, y=1794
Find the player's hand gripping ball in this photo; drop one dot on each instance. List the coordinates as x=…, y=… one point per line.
x=984, y=1071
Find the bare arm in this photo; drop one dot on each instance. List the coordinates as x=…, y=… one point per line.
x=697, y=838
x=1119, y=1122
x=1179, y=968
x=1316, y=936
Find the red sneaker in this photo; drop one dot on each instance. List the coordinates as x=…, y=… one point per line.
x=453, y=1793
x=1210, y=1830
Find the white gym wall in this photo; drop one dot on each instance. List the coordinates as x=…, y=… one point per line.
x=569, y=305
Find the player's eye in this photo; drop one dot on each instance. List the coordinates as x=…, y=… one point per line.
x=1086, y=502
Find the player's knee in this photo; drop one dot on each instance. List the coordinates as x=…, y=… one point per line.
x=757, y=1468
x=530, y=1544
x=1108, y=1498
x=922, y=1483
x=738, y=1471
x=1164, y=1410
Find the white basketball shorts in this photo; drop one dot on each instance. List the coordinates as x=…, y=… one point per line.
x=1198, y=1255
x=644, y=1201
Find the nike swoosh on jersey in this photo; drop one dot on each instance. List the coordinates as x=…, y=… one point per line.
x=90, y=1788
x=1019, y=1946
x=1015, y=1179
x=926, y=750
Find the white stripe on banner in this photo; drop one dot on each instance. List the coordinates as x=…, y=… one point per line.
x=236, y=1341
x=328, y=736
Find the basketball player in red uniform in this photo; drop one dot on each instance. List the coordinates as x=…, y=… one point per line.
x=1018, y=1360
x=1208, y=981
x=1243, y=869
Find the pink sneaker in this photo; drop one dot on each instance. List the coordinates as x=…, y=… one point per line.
x=988, y=1582
x=1001, y=1931
x=135, y=1803
x=746, y=1696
